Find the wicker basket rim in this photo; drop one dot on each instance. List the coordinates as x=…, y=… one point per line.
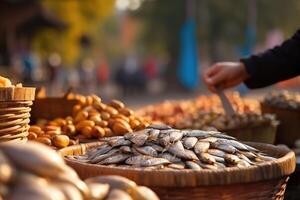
x=283, y=166
x=17, y=93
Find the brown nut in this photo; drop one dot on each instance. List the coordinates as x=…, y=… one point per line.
x=98, y=132
x=51, y=128
x=121, y=117
x=76, y=109
x=120, y=128
x=60, y=141
x=111, y=110
x=105, y=115
x=81, y=99
x=81, y=115
x=116, y=104
x=102, y=123
x=134, y=123
x=87, y=131
x=69, y=129
x=99, y=106
x=125, y=111
x=95, y=118
x=35, y=129
x=57, y=132
x=60, y=121
x=111, y=122
x=84, y=123
x=108, y=132
x=89, y=100
x=44, y=140
x=96, y=99
x=32, y=136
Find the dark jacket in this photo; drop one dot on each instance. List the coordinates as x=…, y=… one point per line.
x=274, y=65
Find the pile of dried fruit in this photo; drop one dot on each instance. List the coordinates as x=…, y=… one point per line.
x=33, y=171
x=91, y=118
x=162, y=147
x=283, y=99
x=221, y=122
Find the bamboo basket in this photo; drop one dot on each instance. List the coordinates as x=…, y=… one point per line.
x=265, y=181
x=265, y=133
x=15, y=110
x=289, y=128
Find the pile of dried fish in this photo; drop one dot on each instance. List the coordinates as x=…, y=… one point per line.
x=34, y=171
x=161, y=147
x=283, y=99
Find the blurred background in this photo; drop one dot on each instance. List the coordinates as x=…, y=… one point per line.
x=141, y=51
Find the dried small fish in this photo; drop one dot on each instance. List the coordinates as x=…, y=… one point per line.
x=201, y=147
x=155, y=146
x=206, y=166
x=165, y=141
x=224, y=147
x=245, y=158
x=175, y=136
x=209, y=139
x=192, y=165
x=218, y=159
x=103, y=150
x=232, y=159
x=136, y=160
x=121, y=141
x=249, y=155
x=125, y=149
x=251, y=148
x=207, y=158
x=221, y=135
x=104, y=156
x=170, y=157
x=197, y=133
x=118, y=158
x=266, y=158
x=176, y=166
x=233, y=143
x=159, y=126
x=191, y=155
x=153, y=135
x=178, y=150
x=216, y=152
x=189, y=142
x=138, y=139
x=154, y=161
x=146, y=150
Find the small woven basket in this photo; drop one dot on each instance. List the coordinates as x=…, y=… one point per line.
x=15, y=113
x=289, y=128
x=264, y=181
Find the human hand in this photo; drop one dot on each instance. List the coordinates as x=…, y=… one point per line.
x=225, y=75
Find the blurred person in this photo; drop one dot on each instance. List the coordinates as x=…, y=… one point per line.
x=53, y=65
x=150, y=68
x=87, y=75
x=103, y=73
x=279, y=63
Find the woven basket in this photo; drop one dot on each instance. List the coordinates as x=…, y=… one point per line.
x=14, y=113
x=264, y=181
x=289, y=128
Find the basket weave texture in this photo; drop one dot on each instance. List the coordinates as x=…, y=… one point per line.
x=264, y=181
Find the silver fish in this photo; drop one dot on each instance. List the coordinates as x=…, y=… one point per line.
x=197, y=133
x=136, y=160
x=159, y=126
x=232, y=159
x=233, y=143
x=209, y=139
x=243, y=163
x=125, y=149
x=266, y=158
x=139, y=139
x=206, y=166
x=128, y=136
x=190, y=154
x=178, y=150
x=155, y=146
x=146, y=150
x=245, y=158
x=104, y=156
x=103, y=150
x=176, y=165
x=170, y=157
x=224, y=147
x=175, y=136
x=153, y=135
x=154, y=162
x=221, y=135
x=251, y=148
x=249, y=155
x=192, y=165
x=201, y=147
x=165, y=141
x=119, y=142
x=189, y=142
x=218, y=159
x=216, y=152
x=207, y=158
x=118, y=158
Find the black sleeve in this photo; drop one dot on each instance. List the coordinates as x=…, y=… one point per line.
x=274, y=65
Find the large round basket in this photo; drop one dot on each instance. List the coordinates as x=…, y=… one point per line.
x=15, y=110
x=289, y=128
x=264, y=181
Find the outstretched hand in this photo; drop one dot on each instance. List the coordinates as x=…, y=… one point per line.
x=225, y=75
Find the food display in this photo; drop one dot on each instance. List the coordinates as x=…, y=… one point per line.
x=33, y=171
x=162, y=147
x=91, y=119
x=221, y=122
x=283, y=99
x=207, y=113
x=15, y=103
